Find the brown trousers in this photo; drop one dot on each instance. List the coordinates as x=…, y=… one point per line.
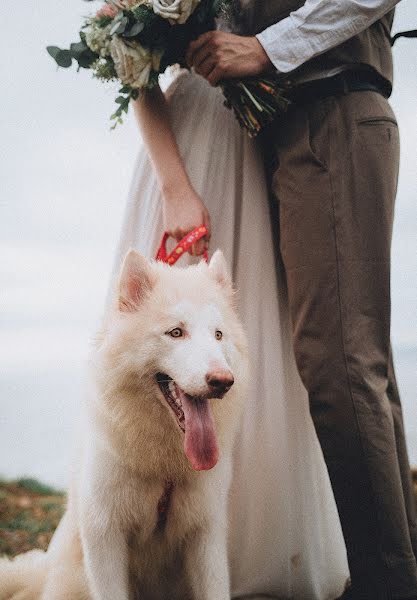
x=335, y=179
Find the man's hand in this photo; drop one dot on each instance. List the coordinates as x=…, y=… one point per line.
x=218, y=55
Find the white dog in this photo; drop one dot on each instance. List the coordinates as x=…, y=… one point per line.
x=146, y=515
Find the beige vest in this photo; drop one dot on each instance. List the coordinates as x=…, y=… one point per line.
x=371, y=48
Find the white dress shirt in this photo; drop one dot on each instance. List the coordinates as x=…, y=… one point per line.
x=318, y=26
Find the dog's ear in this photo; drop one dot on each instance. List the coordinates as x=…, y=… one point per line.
x=218, y=269
x=135, y=282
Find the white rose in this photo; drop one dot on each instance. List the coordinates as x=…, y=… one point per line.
x=133, y=64
x=176, y=11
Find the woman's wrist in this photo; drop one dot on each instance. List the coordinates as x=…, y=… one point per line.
x=172, y=190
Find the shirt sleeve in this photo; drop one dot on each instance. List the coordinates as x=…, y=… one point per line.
x=318, y=26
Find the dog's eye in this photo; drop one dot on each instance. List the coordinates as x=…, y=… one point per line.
x=176, y=332
x=219, y=334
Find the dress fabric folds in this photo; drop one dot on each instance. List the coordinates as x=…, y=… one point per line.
x=285, y=539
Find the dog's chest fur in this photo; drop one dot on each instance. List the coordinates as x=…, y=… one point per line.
x=157, y=569
x=157, y=543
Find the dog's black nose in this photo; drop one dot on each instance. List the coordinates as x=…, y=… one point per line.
x=220, y=381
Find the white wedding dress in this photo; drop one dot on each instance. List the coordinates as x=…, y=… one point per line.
x=285, y=536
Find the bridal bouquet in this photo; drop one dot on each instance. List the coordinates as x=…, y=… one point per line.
x=134, y=41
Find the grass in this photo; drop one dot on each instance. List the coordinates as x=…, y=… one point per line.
x=30, y=512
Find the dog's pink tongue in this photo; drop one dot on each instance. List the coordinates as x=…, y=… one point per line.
x=200, y=443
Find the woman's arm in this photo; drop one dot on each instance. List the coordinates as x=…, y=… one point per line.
x=183, y=209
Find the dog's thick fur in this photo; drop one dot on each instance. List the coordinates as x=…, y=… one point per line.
x=111, y=543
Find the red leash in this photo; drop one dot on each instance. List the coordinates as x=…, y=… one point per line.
x=183, y=246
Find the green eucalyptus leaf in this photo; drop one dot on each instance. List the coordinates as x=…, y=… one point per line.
x=87, y=58
x=118, y=17
x=119, y=25
x=63, y=58
x=135, y=30
x=53, y=51
x=78, y=49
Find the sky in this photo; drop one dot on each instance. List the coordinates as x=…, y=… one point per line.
x=64, y=178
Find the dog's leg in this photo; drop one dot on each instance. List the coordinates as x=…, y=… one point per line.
x=100, y=504
x=106, y=563
x=207, y=567
x=104, y=549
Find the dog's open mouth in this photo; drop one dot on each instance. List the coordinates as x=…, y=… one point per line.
x=195, y=419
x=170, y=391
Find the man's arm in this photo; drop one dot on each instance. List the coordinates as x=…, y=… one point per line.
x=316, y=27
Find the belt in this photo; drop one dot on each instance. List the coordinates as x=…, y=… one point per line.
x=342, y=83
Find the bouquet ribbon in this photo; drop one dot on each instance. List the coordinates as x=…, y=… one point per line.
x=183, y=245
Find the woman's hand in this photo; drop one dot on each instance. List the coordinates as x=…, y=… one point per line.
x=182, y=212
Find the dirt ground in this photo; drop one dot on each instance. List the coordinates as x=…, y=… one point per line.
x=30, y=513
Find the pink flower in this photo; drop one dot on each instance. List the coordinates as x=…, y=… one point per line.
x=107, y=11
